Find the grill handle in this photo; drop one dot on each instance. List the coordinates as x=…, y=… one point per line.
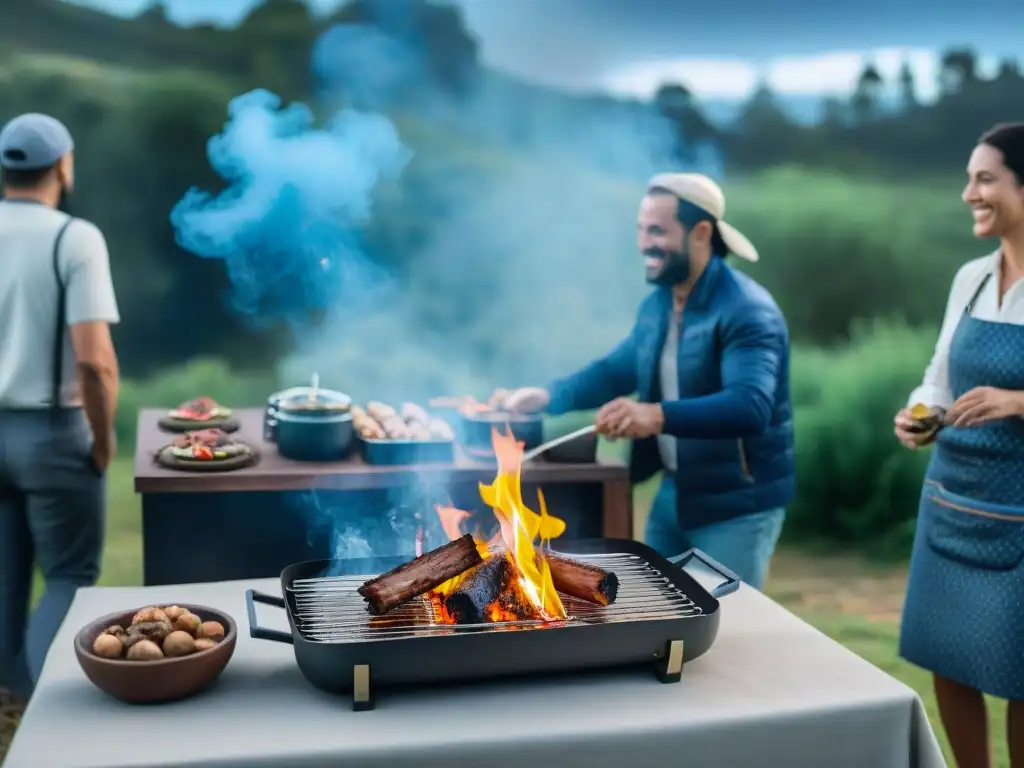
x=727, y=587
x=256, y=632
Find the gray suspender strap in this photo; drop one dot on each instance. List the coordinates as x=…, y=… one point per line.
x=58, y=346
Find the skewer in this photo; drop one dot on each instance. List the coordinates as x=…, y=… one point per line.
x=532, y=454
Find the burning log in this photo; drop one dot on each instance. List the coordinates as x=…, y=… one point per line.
x=389, y=590
x=491, y=592
x=469, y=602
x=515, y=605
x=583, y=580
x=490, y=584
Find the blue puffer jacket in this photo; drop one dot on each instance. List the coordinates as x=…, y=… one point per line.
x=733, y=421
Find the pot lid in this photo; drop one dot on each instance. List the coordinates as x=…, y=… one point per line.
x=305, y=398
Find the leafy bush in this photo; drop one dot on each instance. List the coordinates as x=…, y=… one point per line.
x=837, y=249
x=856, y=484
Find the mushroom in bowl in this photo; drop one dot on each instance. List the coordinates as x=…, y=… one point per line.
x=156, y=654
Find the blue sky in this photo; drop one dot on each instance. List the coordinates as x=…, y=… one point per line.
x=720, y=48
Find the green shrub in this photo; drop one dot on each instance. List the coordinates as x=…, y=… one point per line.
x=856, y=484
x=836, y=248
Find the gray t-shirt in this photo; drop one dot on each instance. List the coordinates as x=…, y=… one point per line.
x=668, y=377
x=28, y=299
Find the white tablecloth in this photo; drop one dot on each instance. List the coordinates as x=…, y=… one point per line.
x=772, y=691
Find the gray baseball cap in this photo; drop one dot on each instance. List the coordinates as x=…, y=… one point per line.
x=33, y=141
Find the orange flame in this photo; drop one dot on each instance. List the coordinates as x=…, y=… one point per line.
x=519, y=528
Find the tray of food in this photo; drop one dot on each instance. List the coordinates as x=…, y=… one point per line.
x=408, y=435
x=201, y=413
x=207, y=450
x=476, y=420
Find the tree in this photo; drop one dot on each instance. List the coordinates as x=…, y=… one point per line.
x=155, y=14
x=675, y=103
x=673, y=99
x=867, y=96
x=908, y=87
x=767, y=131
x=275, y=39
x=957, y=71
x=1009, y=71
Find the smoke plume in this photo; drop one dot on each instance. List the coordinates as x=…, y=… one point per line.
x=425, y=245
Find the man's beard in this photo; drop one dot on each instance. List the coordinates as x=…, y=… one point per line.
x=64, y=201
x=674, y=267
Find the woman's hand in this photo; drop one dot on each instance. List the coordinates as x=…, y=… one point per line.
x=905, y=433
x=983, y=404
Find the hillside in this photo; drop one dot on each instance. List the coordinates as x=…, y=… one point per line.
x=57, y=27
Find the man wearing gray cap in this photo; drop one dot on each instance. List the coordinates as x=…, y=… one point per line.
x=58, y=392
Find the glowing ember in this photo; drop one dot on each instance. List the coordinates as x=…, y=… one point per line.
x=520, y=527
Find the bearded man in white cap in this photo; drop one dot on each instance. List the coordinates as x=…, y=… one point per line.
x=708, y=359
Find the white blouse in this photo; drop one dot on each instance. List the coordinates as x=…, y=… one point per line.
x=934, y=390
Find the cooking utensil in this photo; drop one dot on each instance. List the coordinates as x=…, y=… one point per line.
x=545, y=447
x=661, y=613
x=151, y=682
x=302, y=400
x=310, y=423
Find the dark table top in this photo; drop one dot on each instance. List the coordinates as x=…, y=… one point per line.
x=274, y=473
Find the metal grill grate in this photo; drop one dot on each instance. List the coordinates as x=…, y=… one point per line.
x=329, y=610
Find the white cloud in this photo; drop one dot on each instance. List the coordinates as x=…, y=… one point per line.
x=828, y=74
x=716, y=78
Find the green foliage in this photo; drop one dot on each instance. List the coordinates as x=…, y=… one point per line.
x=836, y=248
x=856, y=484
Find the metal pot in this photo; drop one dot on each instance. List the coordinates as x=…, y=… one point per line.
x=475, y=429
x=310, y=424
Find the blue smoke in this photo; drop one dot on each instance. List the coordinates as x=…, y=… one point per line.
x=514, y=225
x=289, y=222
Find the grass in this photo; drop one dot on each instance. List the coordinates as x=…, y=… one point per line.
x=852, y=602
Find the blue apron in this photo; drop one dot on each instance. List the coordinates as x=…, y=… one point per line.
x=963, y=618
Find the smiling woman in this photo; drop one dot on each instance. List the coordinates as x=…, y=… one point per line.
x=968, y=556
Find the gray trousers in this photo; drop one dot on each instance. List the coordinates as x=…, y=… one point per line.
x=52, y=502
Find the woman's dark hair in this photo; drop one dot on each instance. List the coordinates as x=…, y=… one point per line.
x=1008, y=138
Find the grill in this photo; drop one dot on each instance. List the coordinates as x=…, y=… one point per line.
x=328, y=609
x=660, y=615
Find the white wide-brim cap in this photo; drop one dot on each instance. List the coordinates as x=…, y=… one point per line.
x=698, y=189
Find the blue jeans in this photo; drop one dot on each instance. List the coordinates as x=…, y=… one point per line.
x=744, y=544
x=51, y=516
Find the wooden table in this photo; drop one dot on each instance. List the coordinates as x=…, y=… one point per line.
x=253, y=522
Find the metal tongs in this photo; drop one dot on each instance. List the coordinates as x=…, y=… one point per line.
x=534, y=453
